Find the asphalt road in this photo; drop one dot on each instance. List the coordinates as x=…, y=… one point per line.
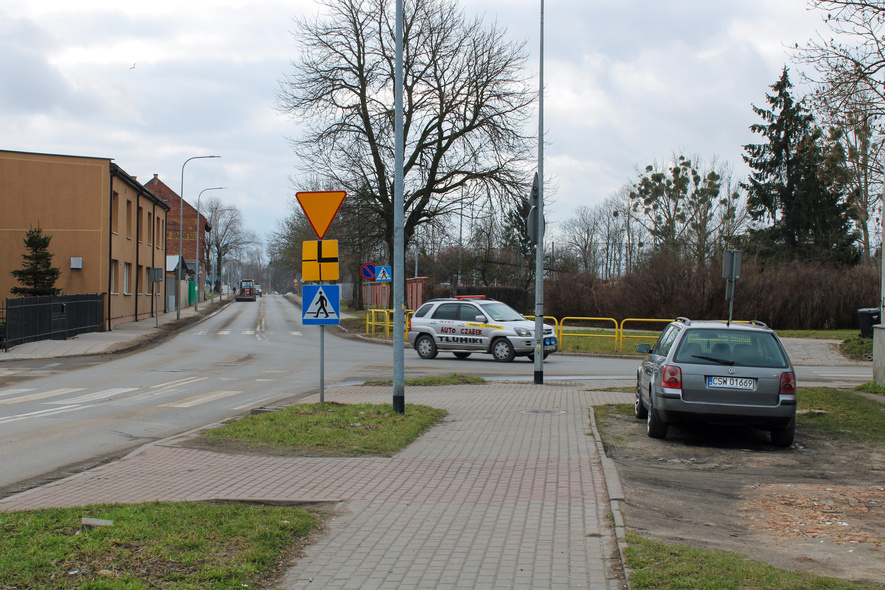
x=58, y=417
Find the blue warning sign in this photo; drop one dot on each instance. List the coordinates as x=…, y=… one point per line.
x=320, y=305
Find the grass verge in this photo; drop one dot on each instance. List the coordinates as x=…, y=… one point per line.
x=188, y=546
x=842, y=413
x=859, y=349
x=830, y=411
x=871, y=387
x=659, y=565
x=453, y=379
x=330, y=429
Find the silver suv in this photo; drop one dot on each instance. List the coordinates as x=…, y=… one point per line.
x=716, y=372
x=467, y=324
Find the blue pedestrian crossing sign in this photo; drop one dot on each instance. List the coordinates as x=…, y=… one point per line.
x=321, y=305
x=383, y=274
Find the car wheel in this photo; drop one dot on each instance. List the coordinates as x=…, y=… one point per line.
x=426, y=347
x=638, y=407
x=783, y=437
x=502, y=350
x=655, y=427
x=461, y=355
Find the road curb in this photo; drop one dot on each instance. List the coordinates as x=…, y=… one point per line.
x=615, y=494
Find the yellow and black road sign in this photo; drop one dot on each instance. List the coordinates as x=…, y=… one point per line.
x=319, y=260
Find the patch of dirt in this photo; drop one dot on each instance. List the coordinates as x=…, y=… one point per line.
x=818, y=506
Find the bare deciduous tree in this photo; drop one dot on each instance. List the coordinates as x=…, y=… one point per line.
x=465, y=104
x=228, y=237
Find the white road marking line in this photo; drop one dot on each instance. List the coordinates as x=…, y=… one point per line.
x=42, y=413
x=146, y=395
x=91, y=397
x=266, y=380
x=295, y=333
x=256, y=403
x=201, y=332
x=223, y=332
x=8, y=392
x=41, y=395
x=184, y=381
x=248, y=332
x=200, y=399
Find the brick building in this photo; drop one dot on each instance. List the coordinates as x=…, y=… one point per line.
x=189, y=237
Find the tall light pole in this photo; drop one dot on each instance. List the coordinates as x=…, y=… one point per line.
x=399, y=277
x=214, y=188
x=181, y=233
x=539, y=251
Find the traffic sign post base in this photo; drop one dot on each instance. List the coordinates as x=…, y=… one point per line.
x=399, y=404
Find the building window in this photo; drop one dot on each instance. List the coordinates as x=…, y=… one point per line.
x=150, y=229
x=114, y=289
x=139, y=225
x=128, y=219
x=127, y=268
x=115, y=213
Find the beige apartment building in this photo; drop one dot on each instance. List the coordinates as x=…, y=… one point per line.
x=108, y=230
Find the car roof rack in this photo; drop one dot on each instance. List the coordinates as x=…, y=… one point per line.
x=470, y=296
x=757, y=323
x=683, y=320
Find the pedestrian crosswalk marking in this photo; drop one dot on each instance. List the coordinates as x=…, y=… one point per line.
x=223, y=332
x=91, y=397
x=8, y=392
x=177, y=382
x=41, y=395
x=295, y=333
x=200, y=399
x=41, y=413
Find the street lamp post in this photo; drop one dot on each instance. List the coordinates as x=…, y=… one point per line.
x=214, y=188
x=181, y=233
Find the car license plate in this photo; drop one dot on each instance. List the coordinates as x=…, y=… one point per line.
x=731, y=382
x=549, y=341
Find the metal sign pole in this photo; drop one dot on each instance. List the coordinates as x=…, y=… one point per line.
x=322, y=363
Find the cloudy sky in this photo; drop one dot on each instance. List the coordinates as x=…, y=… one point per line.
x=152, y=83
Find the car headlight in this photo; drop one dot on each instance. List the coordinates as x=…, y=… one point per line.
x=522, y=332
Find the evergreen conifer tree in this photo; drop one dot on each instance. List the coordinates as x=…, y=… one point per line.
x=37, y=274
x=798, y=185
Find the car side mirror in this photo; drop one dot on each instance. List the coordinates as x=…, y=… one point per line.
x=480, y=319
x=643, y=348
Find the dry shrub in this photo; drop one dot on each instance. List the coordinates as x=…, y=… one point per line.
x=798, y=295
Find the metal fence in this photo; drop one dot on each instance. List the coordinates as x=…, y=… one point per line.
x=29, y=319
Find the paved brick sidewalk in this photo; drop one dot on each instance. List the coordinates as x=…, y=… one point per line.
x=509, y=492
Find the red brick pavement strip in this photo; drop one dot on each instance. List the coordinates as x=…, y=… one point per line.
x=507, y=492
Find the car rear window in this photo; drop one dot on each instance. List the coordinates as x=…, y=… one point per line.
x=422, y=311
x=746, y=348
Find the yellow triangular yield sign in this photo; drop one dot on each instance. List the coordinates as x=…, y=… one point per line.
x=320, y=208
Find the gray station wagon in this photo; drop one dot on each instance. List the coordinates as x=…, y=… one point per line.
x=718, y=373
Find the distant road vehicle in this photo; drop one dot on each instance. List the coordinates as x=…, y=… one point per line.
x=247, y=290
x=467, y=324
